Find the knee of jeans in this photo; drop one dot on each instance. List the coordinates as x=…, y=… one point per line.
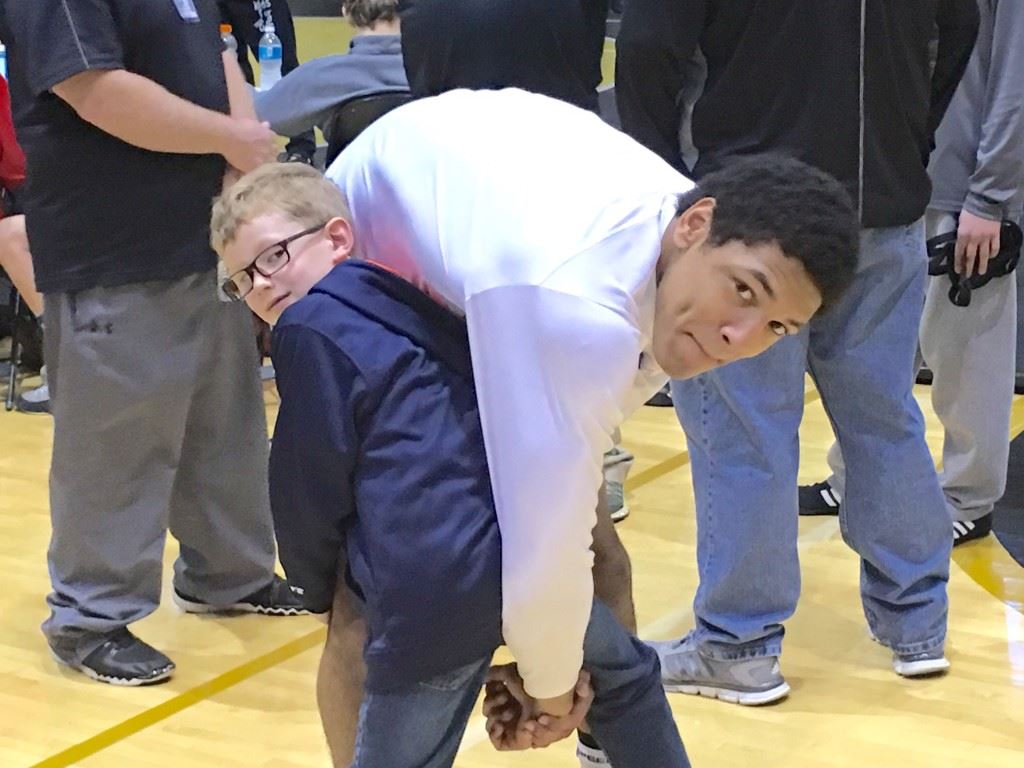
x=618, y=687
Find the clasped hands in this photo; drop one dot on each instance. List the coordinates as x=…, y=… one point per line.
x=517, y=721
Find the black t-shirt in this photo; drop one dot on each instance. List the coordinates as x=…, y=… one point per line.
x=101, y=212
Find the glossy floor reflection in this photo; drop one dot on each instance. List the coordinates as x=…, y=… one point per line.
x=243, y=695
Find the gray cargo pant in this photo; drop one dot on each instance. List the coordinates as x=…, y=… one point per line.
x=158, y=423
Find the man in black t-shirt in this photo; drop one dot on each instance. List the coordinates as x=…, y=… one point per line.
x=132, y=118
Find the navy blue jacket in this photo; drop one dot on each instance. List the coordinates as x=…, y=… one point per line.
x=378, y=449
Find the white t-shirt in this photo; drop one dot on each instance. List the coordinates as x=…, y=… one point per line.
x=542, y=225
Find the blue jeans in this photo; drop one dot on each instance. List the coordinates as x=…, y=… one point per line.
x=422, y=726
x=741, y=424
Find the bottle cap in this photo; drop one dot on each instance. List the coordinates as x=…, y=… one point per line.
x=225, y=29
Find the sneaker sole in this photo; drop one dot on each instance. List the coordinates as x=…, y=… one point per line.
x=926, y=668
x=619, y=514
x=190, y=606
x=743, y=698
x=29, y=407
x=828, y=512
x=125, y=682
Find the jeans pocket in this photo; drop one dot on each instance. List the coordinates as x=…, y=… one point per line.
x=454, y=679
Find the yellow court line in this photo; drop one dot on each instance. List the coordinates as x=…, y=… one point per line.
x=143, y=720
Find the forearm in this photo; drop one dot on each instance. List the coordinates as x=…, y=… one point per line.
x=16, y=260
x=240, y=96
x=142, y=113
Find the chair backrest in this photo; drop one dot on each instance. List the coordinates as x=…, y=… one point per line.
x=353, y=116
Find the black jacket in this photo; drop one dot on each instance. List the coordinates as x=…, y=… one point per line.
x=845, y=85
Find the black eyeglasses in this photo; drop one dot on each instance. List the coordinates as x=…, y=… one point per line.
x=268, y=262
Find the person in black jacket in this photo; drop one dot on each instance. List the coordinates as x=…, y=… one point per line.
x=846, y=86
x=551, y=47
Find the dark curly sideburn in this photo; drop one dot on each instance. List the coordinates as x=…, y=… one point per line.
x=773, y=198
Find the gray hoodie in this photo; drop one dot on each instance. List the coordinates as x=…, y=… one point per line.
x=308, y=95
x=978, y=162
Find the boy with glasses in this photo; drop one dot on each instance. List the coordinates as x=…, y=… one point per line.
x=378, y=469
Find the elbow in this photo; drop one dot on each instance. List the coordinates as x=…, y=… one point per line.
x=86, y=95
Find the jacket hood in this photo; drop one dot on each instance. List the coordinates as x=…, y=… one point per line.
x=401, y=307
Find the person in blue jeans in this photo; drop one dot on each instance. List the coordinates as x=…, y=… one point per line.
x=864, y=110
x=530, y=322
x=378, y=468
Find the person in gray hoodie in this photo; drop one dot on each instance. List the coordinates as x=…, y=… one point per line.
x=977, y=173
x=307, y=96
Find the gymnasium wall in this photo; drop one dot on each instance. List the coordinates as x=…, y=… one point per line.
x=315, y=7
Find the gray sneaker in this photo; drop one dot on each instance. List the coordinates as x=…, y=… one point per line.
x=924, y=664
x=741, y=681
x=615, y=498
x=920, y=664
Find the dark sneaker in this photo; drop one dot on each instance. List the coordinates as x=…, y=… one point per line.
x=750, y=682
x=299, y=157
x=662, y=398
x=122, y=660
x=969, y=530
x=920, y=664
x=615, y=497
x=591, y=757
x=278, y=598
x=818, y=499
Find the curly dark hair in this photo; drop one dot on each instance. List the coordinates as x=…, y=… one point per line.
x=365, y=13
x=774, y=198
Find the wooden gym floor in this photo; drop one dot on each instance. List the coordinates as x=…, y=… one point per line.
x=243, y=696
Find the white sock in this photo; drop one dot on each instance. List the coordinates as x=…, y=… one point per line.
x=590, y=757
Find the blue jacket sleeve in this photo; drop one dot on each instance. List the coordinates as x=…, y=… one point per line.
x=312, y=459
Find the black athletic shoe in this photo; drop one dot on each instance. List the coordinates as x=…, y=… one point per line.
x=964, y=531
x=34, y=400
x=662, y=398
x=278, y=598
x=299, y=157
x=122, y=660
x=818, y=499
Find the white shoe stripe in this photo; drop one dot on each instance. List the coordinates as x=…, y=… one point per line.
x=962, y=528
x=828, y=498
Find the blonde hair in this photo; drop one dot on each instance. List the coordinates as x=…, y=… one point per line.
x=293, y=189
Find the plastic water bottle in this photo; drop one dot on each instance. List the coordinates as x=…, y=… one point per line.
x=3, y=60
x=228, y=39
x=270, y=57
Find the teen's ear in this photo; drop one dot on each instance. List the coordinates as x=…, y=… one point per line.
x=339, y=232
x=693, y=226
